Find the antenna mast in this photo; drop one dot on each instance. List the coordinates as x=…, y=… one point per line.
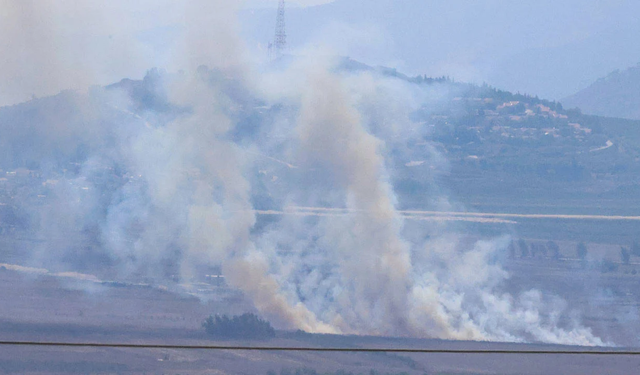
x=280, y=41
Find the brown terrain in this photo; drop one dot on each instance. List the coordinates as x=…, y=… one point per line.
x=41, y=306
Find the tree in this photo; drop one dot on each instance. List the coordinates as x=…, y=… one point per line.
x=554, y=248
x=524, y=248
x=635, y=249
x=581, y=250
x=245, y=326
x=543, y=249
x=625, y=255
x=538, y=248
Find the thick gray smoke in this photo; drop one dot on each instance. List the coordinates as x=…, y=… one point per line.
x=361, y=272
x=192, y=177
x=374, y=261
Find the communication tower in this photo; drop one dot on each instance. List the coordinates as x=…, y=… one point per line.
x=279, y=44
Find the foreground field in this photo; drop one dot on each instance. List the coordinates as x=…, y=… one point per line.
x=55, y=308
x=163, y=361
x=600, y=291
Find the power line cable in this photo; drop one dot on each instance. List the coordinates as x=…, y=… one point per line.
x=315, y=349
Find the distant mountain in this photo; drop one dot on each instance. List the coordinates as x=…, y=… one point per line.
x=616, y=95
x=557, y=71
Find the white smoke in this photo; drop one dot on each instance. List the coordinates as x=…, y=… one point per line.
x=188, y=200
x=360, y=272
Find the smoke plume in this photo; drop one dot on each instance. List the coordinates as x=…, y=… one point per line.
x=170, y=182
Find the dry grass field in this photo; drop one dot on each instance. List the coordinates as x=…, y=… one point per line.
x=47, y=308
x=35, y=304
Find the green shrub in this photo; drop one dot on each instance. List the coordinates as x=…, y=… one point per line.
x=245, y=326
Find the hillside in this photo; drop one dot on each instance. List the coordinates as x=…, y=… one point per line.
x=509, y=142
x=498, y=144
x=616, y=95
x=513, y=152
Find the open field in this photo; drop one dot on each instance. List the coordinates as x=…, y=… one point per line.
x=50, y=307
x=164, y=361
x=39, y=304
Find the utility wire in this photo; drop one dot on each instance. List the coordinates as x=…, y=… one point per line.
x=312, y=349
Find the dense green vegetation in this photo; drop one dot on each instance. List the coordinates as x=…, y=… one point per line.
x=245, y=326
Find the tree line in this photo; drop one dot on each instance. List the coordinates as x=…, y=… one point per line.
x=245, y=326
x=522, y=249
x=550, y=249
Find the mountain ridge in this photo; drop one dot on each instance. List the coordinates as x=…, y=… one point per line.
x=616, y=95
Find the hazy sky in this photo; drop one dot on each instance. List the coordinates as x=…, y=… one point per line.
x=274, y=3
x=544, y=47
x=51, y=45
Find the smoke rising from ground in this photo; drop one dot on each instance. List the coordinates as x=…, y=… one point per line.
x=169, y=185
